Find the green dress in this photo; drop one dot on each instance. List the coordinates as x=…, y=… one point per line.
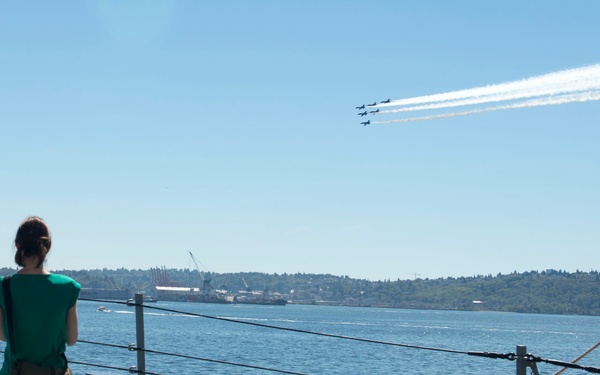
x=40, y=304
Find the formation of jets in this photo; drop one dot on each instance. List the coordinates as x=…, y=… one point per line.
x=361, y=114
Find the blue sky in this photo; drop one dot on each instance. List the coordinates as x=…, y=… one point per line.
x=144, y=130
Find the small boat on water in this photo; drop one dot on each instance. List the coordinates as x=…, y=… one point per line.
x=103, y=309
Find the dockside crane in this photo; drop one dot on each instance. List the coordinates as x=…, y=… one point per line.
x=206, y=287
x=246, y=284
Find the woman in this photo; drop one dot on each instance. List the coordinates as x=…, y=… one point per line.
x=44, y=305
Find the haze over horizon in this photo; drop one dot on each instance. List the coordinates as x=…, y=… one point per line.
x=140, y=132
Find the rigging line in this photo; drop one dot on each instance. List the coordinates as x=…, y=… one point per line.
x=131, y=370
x=131, y=347
x=105, y=344
x=555, y=362
x=580, y=357
x=218, y=361
x=509, y=356
x=104, y=301
x=310, y=332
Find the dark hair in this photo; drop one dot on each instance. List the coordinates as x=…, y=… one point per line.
x=33, y=240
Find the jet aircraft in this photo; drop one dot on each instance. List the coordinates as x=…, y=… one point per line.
x=360, y=107
x=374, y=112
x=362, y=113
x=366, y=123
x=386, y=101
x=372, y=104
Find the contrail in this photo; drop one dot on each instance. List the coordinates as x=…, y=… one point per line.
x=561, y=99
x=573, y=85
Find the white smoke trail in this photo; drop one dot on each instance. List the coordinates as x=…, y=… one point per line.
x=571, y=80
x=501, y=97
x=555, y=100
x=573, y=85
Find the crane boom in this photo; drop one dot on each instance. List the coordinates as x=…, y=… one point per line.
x=246, y=284
x=196, y=262
x=205, y=280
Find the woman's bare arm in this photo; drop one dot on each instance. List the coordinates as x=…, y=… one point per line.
x=2, y=335
x=72, y=325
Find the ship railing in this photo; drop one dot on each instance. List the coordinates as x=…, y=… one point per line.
x=524, y=360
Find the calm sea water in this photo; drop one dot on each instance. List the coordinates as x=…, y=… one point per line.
x=548, y=336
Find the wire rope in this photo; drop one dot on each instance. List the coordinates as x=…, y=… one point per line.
x=579, y=358
x=134, y=348
x=220, y=362
x=508, y=356
x=308, y=332
x=131, y=370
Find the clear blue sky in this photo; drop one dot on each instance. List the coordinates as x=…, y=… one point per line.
x=141, y=130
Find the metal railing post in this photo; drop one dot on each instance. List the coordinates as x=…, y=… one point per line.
x=139, y=331
x=521, y=361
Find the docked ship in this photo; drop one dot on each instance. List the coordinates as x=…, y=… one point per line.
x=190, y=294
x=259, y=298
x=256, y=297
x=167, y=290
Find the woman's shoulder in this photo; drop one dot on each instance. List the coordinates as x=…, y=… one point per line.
x=57, y=278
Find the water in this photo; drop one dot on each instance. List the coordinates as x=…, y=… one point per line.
x=548, y=336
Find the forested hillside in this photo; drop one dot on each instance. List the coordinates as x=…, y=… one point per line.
x=550, y=291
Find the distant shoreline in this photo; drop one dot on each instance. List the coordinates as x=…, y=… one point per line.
x=546, y=292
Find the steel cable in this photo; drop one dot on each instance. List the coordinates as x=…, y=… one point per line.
x=131, y=370
x=508, y=356
x=218, y=361
x=305, y=331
